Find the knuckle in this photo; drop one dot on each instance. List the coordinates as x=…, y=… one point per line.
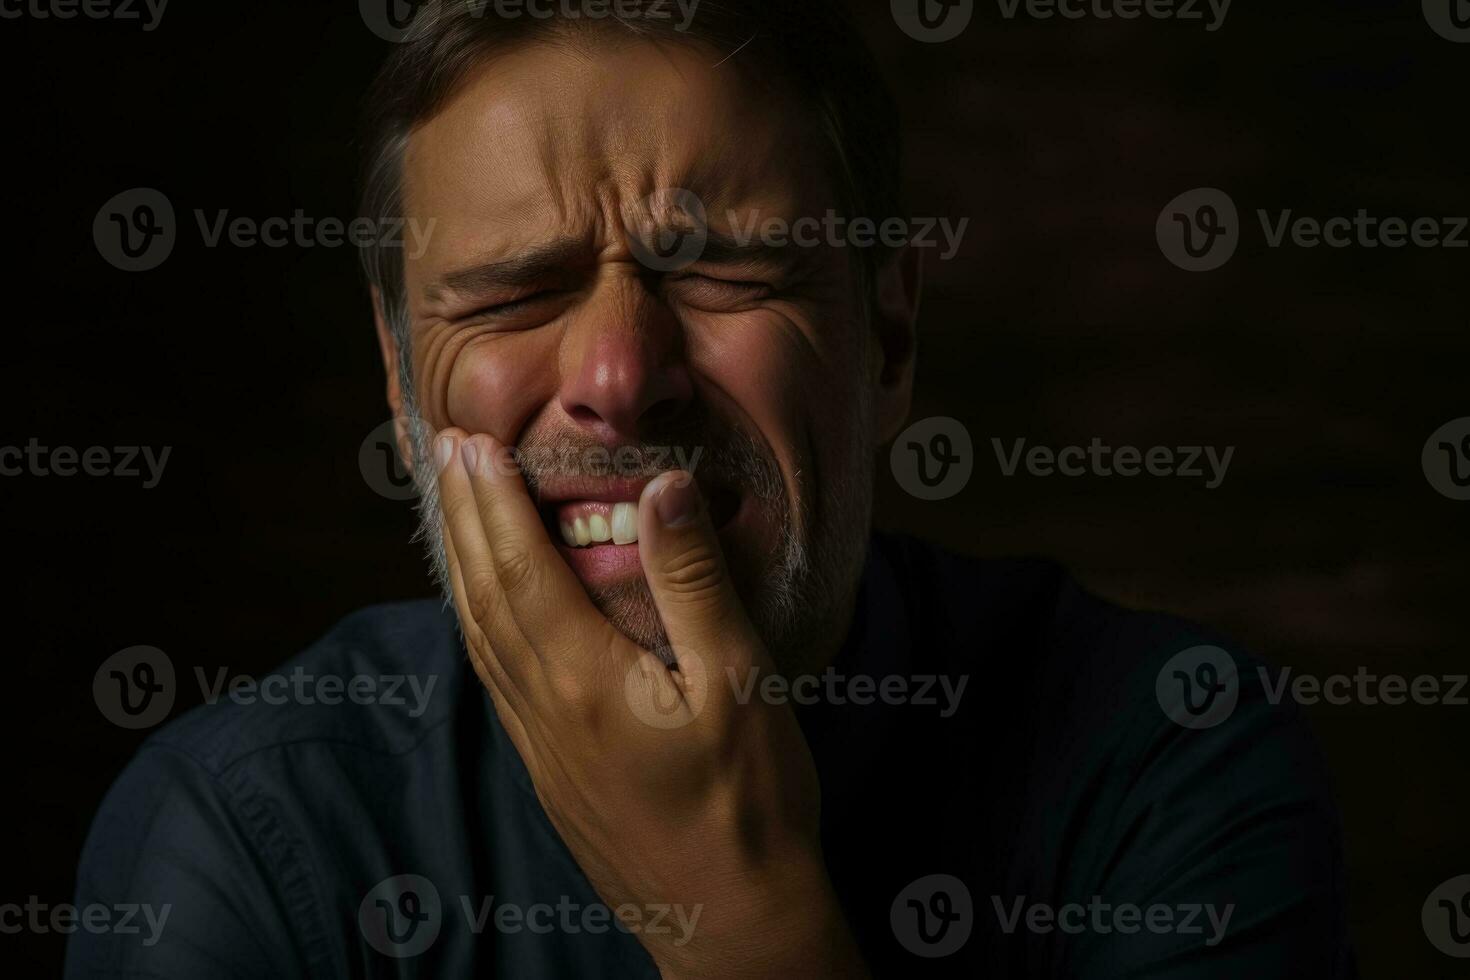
x=576, y=697
x=514, y=566
x=455, y=506
x=693, y=574
x=479, y=584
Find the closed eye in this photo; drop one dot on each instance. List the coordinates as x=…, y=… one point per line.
x=713, y=293
x=499, y=311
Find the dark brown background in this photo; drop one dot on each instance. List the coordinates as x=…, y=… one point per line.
x=1325, y=548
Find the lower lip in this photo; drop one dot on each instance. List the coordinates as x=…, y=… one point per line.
x=604, y=564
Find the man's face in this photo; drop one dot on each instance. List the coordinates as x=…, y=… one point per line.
x=533, y=319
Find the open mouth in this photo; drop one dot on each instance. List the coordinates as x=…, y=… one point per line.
x=609, y=517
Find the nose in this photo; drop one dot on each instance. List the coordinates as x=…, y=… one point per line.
x=624, y=365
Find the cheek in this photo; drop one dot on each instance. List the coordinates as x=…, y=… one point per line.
x=496, y=384
x=760, y=366
x=796, y=384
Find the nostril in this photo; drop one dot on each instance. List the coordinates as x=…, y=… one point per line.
x=583, y=414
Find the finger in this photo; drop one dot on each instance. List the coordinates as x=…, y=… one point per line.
x=505, y=696
x=477, y=645
x=688, y=577
x=547, y=602
x=478, y=599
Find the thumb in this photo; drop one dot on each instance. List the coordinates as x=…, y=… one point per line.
x=687, y=575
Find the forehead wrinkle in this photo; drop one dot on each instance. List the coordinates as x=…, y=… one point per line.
x=534, y=154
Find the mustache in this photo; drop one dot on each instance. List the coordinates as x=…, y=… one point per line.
x=714, y=454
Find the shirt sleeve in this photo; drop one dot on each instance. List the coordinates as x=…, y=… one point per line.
x=179, y=847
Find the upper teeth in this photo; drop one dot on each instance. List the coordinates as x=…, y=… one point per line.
x=595, y=529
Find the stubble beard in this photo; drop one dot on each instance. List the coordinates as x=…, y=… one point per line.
x=798, y=594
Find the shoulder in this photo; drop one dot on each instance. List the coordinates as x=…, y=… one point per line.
x=1085, y=684
x=218, y=815
x=378, y=681
x=1028, y=623
x=1145, y=756
x=363, y=698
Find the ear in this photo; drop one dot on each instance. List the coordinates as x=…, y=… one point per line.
x=896, y=315
x=388, y=347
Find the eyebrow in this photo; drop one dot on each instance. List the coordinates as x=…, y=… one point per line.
x=535, y=262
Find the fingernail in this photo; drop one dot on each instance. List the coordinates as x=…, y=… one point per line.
x=678, y=500
x=471, y=452
x=443, y=450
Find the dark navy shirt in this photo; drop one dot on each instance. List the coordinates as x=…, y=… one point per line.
x=1061, y=818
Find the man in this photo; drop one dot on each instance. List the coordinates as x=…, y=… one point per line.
x=693, y=718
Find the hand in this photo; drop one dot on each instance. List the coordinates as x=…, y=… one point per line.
x=665, y=788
